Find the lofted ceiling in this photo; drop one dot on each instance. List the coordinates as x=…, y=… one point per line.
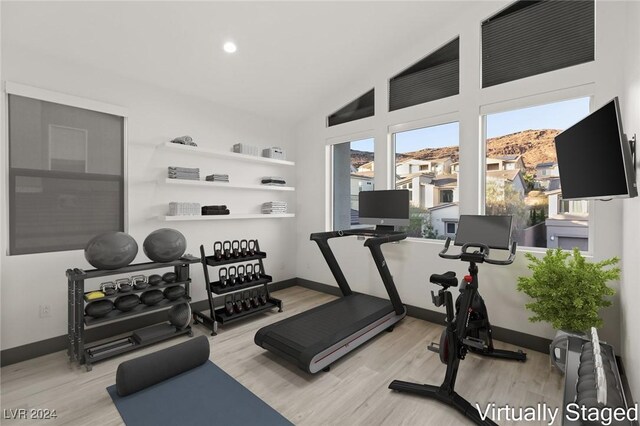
x=290, y=54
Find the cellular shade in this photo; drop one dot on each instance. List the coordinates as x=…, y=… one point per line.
x=534, y=37
x=434, y=77
x=65, y=175
x=354, y=110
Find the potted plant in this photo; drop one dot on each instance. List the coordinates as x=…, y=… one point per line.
x=568, y=291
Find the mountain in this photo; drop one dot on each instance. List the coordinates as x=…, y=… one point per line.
x=535, y=146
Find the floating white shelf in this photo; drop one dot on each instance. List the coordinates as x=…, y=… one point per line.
x=227, y=217
x=224, y=154
x=208, y=184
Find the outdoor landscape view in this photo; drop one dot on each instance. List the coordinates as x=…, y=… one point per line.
x=521, y=177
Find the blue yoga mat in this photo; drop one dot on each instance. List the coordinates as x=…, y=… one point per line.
x=203, y=396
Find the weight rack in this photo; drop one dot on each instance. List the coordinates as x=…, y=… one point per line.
x=77, y=350
x=214, y=289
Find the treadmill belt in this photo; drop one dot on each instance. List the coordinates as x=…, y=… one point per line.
x=304, y=335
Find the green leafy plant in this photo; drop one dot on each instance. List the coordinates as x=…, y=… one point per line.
x=568, y=291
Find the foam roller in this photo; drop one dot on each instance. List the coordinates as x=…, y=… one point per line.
x=140, y=373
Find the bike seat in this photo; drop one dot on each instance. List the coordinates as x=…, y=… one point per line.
x=448, y=279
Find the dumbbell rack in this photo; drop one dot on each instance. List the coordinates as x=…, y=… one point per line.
x=214, y=289
x=77, y=350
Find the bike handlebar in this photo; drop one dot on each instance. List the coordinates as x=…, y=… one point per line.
x=484, y=253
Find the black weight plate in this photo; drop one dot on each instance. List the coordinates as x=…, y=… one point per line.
x=151, y=297
x=127, y=303
x=175, y=292
x=99, y=308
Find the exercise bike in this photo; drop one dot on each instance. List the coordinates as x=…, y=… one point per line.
x=467, y=328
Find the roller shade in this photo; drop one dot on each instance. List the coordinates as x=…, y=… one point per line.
x=534, y=37
x=435, y=77
x=354, y=110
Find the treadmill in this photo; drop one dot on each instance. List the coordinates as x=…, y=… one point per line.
x=314, y=339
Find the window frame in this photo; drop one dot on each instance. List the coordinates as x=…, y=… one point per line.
x=538, y=99
x=329, y=169
x=17, y=89
x=432, y=121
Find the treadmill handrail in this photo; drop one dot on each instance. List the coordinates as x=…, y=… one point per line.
x=374, y=244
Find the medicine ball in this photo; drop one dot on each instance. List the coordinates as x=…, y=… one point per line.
x=127, y=303
x=154, y=279
x=180, y=315
x=164, y=245
x=99, y=308
x=151, y=297
x=169, y=277
x=111, y=250
x=175, y=292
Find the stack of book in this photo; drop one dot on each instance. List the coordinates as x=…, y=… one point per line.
x=217, y=178
x=184, y=209
x=184, y=173
x=274, y=207
x=273, y=180
x=215, y=210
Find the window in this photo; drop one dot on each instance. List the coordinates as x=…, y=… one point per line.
x=424, y=160
x=66, y=173
x=530, y=190
x=450, y=228
x=355, y=110
x=534, y=37
x=435, y=77
x=446, y=195
x=353, y=170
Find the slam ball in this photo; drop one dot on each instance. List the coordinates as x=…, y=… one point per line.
x=164, y=245
x=111, y=250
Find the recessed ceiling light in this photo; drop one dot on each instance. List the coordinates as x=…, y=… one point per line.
x=230, y=47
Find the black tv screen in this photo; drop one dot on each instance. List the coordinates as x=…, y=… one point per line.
x=389, y=207
x=594, y=157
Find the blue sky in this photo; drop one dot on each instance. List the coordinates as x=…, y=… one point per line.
x=559, y=115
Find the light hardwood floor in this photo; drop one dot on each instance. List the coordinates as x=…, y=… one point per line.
x=354, y=392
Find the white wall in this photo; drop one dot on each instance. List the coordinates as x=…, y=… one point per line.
x=412, y=261
x=630, y=288
x=155, y=116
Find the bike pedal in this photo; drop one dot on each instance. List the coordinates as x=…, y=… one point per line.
x=473, y=342
x=434, y=347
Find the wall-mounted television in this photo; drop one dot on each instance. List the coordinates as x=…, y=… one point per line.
x=595, y=159
x=384, y=208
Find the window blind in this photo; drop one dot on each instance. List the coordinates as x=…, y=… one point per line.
x=354, y=110
x=434, y=77
x=534, y=37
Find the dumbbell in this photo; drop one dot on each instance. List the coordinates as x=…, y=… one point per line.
x=246, y=300
x=237, y=303
x=262, y=297
x=109, y=288
x=244, y=248
x=241, y=273
x=255, y=302
x=256, y=272
x=228, y=304
x=248, y=275
x=226, y=249
x=223, y=276
x=139, y=282
x=586, y=367
x=235, y=248
x=217, y=251
x=124, y=285
x=251, y=246
x=233, y=276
